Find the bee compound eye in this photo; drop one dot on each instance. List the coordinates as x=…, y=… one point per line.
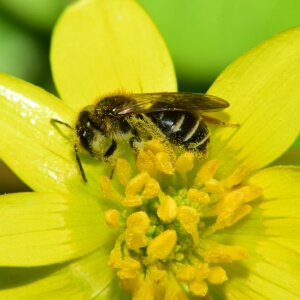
x=85, y=135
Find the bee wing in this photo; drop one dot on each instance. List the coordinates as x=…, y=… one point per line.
x=158, y=102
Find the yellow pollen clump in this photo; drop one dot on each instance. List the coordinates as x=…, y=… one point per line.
x=116, y=256
x=108, y=190
x=236, y=177
x=198, y=196
x=152, y=189
x=135, y=239
x=215, y=187
x=217, y=275
x=184, y=163
x=139, y=221
x=123, y=171
x=136, y=183
x=198, y=288
x=223, y=253
x=202, y=272
x=186, y=274
x=129, y=268
x=230, y=202
x=145, y=291
x=145, y=162
x=161, y=246
x=167, y=209
x=112, y=218
x=189, y=219
x=132, y=201
x=251, y=192
x=157, y=276
x=206, y=172
x=164, y=163
x=165, y=248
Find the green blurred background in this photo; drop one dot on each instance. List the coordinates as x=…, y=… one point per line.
x=203, y=38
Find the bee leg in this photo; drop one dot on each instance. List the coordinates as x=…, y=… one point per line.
x=54, y=121
x=215, y=121
x=110, y=151
x=79, y=163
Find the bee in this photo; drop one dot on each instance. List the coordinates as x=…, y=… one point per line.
x=175, y=119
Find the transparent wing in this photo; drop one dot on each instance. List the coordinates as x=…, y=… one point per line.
x=158, y=102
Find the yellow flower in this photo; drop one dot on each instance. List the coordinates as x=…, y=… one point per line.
x=223, y=227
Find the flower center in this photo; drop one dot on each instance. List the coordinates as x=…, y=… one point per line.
x=166, y=247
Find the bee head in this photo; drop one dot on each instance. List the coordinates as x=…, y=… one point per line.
x=85, y=127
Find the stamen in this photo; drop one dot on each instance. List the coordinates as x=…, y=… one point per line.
x=164, y=163
x=136, y=183
x=198, y=196
x=184, y=163
x=123, y=171
x=145, y=162
x=167, y=209
x=112, y=218
x=132, y=201
x=152, y=189
x=217, y=275
x=224, y=254
x=236, y=177
x=161, y=246
x=135, y=235
x=166, y=243
x=107, y=189
x=189, y=219
x=206, y=172
x=129, y=268
x=198, y=288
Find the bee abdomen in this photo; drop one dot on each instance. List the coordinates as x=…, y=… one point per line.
x=183, y=128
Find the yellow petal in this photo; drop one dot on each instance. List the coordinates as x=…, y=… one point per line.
x=280, y=207
x=104, y=46
x=86, y=278
x=263, y=89
x=42, y=228
x=290, y=157
x=41, y=154
x=271, y=236
x=30, y=144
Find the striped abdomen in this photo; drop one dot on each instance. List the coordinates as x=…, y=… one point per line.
x=184, y=129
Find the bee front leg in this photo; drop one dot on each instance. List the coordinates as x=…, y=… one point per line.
x=110, y=151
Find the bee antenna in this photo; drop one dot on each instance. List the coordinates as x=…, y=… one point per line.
x=79, y=163
x=53, y=121
x=60, y=122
